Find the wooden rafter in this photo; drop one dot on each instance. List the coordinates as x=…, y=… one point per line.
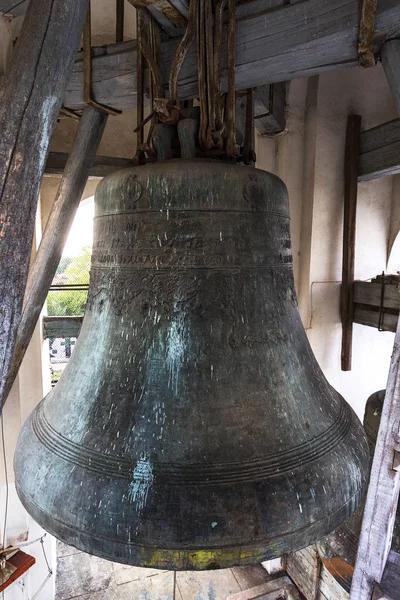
x=304, y=38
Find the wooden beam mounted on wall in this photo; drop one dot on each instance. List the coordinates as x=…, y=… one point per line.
x=62, y=214
x=351, y=168
x=390, y=56
x=31, y=99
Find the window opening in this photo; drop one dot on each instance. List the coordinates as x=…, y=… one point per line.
x=68, y=293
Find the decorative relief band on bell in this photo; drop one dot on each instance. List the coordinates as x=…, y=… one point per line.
x=258, y=469
x=161, y=241
x=172, y=261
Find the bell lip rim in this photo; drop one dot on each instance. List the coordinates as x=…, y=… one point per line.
x=185, y=554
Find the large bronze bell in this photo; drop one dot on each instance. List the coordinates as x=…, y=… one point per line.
x=193, y=427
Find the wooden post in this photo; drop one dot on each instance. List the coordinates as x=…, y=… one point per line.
x=119, y=26
x=30, y=102
x=383, y=491
x=69, y=194
x=351, y=167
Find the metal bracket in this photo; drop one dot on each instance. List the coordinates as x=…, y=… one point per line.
x=87, y=70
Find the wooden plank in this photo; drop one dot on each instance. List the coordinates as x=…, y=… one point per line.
x=391, y=577
x=22, y=562
x=272, y=45
x=301, y=566
x=269, y=108
x=382, y=135
x=298, y=569
x=101, y=166
x=380, y=163
x=59, y=327
x=366, y=292
x=383, y=491
x=31, y=99
x=167, y=13
x=380, y=151
x=351, y=163
x=368, y=315
x=282, y=587
x=48, y=256
x=14, y=8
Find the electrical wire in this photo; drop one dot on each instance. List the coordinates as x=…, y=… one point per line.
x=45, y=557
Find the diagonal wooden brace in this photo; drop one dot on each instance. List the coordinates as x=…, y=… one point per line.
x=69, y=193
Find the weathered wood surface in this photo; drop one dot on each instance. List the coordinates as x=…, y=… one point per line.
x=48, y=256
x=380, y=151
x=301, y=566
x=272, y=45
x=369, y=316
x=281, y=587
x=391, y=576
x=366, y=292
x=14, y=8
x=383, y=491
x=101, y=165
x=30, y=102
x=60, y=327
x=170, y=15
x=351, y=165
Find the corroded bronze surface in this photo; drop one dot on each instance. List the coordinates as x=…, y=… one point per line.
x=192, y=428
x=339, y=549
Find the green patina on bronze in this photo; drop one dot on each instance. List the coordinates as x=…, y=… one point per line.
x=193, y=427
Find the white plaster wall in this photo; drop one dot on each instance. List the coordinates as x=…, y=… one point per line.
x=337, y=95
x=309, y=157
x=104, y=18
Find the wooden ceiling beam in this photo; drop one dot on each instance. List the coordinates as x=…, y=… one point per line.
x=272, y=45
x=380, y=151
x=100, y=167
